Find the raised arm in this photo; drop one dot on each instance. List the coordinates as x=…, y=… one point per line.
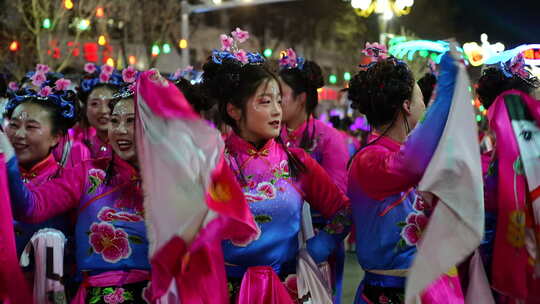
x=387, y=172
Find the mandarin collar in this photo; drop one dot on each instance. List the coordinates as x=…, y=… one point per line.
x=39, y=168
x=236, y=144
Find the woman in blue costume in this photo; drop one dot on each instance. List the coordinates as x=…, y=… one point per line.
x=275, y=179
x=389, y=213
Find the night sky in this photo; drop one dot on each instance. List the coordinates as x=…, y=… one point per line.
x=512, y=22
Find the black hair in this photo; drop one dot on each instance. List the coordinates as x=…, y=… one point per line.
x=60, y=123
x=305, y=80
x=379, y=91
x=233, y=82
x=194, y=95
x=493, y=82
x=427, y=84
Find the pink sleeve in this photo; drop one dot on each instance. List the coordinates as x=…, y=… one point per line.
x=57, y=195
x=380, y=172
x=335, y=158
x=319, y=190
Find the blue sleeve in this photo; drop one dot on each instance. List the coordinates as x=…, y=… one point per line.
x=423, y=140
x=21, y=201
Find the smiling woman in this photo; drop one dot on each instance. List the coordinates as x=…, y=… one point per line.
x=275, y=180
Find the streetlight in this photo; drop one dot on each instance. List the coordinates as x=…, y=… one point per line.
x=211, y=5
x=385, y=9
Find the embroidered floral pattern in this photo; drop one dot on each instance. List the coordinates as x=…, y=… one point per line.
x=107, y=214
x=96, y=178
x=111, y=243
x=338, y=223
x=110, y=295
x=253, y=198
x=415, y=224
x=267, y=189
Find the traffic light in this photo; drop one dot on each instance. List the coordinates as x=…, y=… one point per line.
x=332, y=79
x=347, y=76
x=46, y=23
x=102, y=40
x=166, y=48
x=268, y=53
x=182, y=43
x=155, y=50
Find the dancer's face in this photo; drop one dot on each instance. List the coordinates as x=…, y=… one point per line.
x=416, y=107
x=97, y=108
x=30, y=132
x=262, y=118
x=122, y=130
x=293, y=106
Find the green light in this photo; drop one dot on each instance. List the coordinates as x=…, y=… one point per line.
x=332, y=79
x=424, y=53
x=46, y=23
x=166, y=48
x=481, y=108
x=478, y=118
x=433, y=56
x=347, y=76
x=84, y=24
x=470, y=88
x=268, y=53
x=155, y=50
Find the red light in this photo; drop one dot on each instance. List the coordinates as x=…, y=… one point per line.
x=532, y=54
x=100, y=12
x=14, y=46
x=56, y=53
x=90, y=50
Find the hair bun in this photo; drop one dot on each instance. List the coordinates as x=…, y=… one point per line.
x=221, y=80
x=380, y=91
x=313, y=73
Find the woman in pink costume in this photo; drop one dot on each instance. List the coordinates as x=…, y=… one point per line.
x=36, y=123
x=111, y=246
x=300, y=79
x=96, y=90
x=389, y=213
x=275, y=179
x=511, y=188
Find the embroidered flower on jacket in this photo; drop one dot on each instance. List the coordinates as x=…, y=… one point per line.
x=96, y=177
x=267, y=189
x=108, y=214
x=111, y=243
x=253, y=198
x=116, y=297
x=415, y=224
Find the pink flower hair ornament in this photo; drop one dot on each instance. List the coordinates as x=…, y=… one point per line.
x=230, y=49
x=289, y=60
x=517, y=67
x=376, y=51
